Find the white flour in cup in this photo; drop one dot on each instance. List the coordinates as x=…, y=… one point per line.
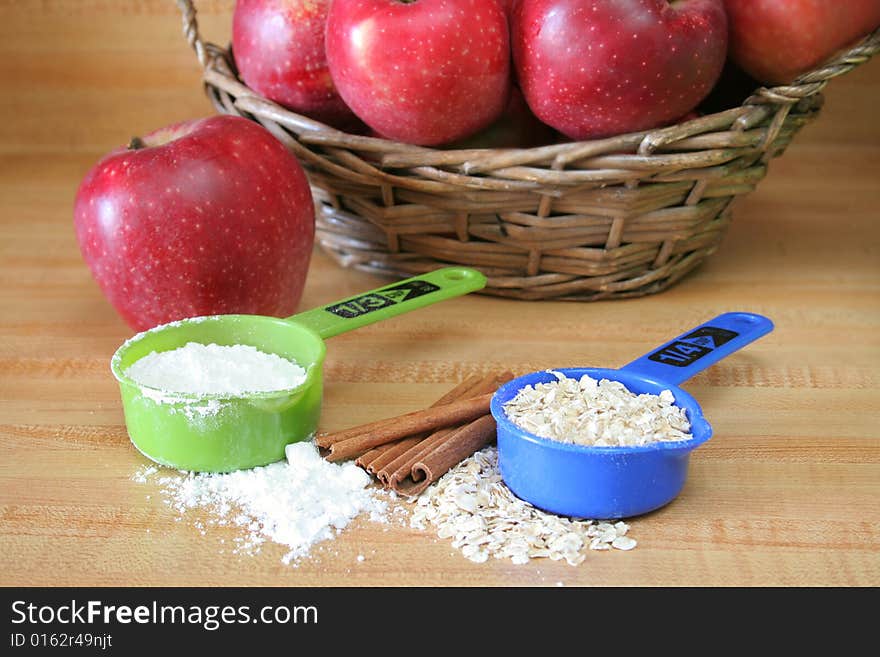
x=208, y=369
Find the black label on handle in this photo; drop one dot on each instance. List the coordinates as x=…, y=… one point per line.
x=693, y=346
x=390, y=296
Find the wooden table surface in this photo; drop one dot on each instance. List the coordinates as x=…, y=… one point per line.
x=786, y=493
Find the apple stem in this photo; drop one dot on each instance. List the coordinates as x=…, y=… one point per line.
x=136, y=144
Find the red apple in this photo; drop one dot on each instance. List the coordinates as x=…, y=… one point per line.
x=420, y=71
x=592, y=68
x=279, y=51
x=205, y=217
x=777, y=40
x=517, y=127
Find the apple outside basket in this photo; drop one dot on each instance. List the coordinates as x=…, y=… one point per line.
x=611, y=218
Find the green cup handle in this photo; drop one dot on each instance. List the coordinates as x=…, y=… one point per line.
x=391, y=300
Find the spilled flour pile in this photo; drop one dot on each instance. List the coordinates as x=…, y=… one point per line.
x=471, y=505
x=296, y=503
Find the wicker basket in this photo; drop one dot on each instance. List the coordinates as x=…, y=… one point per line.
x=610, y=218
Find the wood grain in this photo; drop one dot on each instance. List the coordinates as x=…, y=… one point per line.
x=784, y=494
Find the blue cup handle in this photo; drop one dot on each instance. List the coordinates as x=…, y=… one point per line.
x=692, y=352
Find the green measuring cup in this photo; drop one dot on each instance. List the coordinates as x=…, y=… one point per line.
x=221, y=433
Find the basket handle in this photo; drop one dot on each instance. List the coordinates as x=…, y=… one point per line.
x=785, y=96
x=191, y=31
x=814, y=81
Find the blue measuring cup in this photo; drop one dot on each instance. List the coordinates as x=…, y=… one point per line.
x=619, y=482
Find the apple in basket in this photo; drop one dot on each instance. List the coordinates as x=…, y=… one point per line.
x=204, y=217
x=517, y=127
x=279, y=51
x=592, y=68
x=426, y=72
x=777, y=40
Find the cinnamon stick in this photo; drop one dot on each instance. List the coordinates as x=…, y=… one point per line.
x=388, y=455
x=448, y=453
x=376, y=464
x=368, y=436
x=456, y=393
x=402, y=467
x=369, y=460
x=365, y=459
